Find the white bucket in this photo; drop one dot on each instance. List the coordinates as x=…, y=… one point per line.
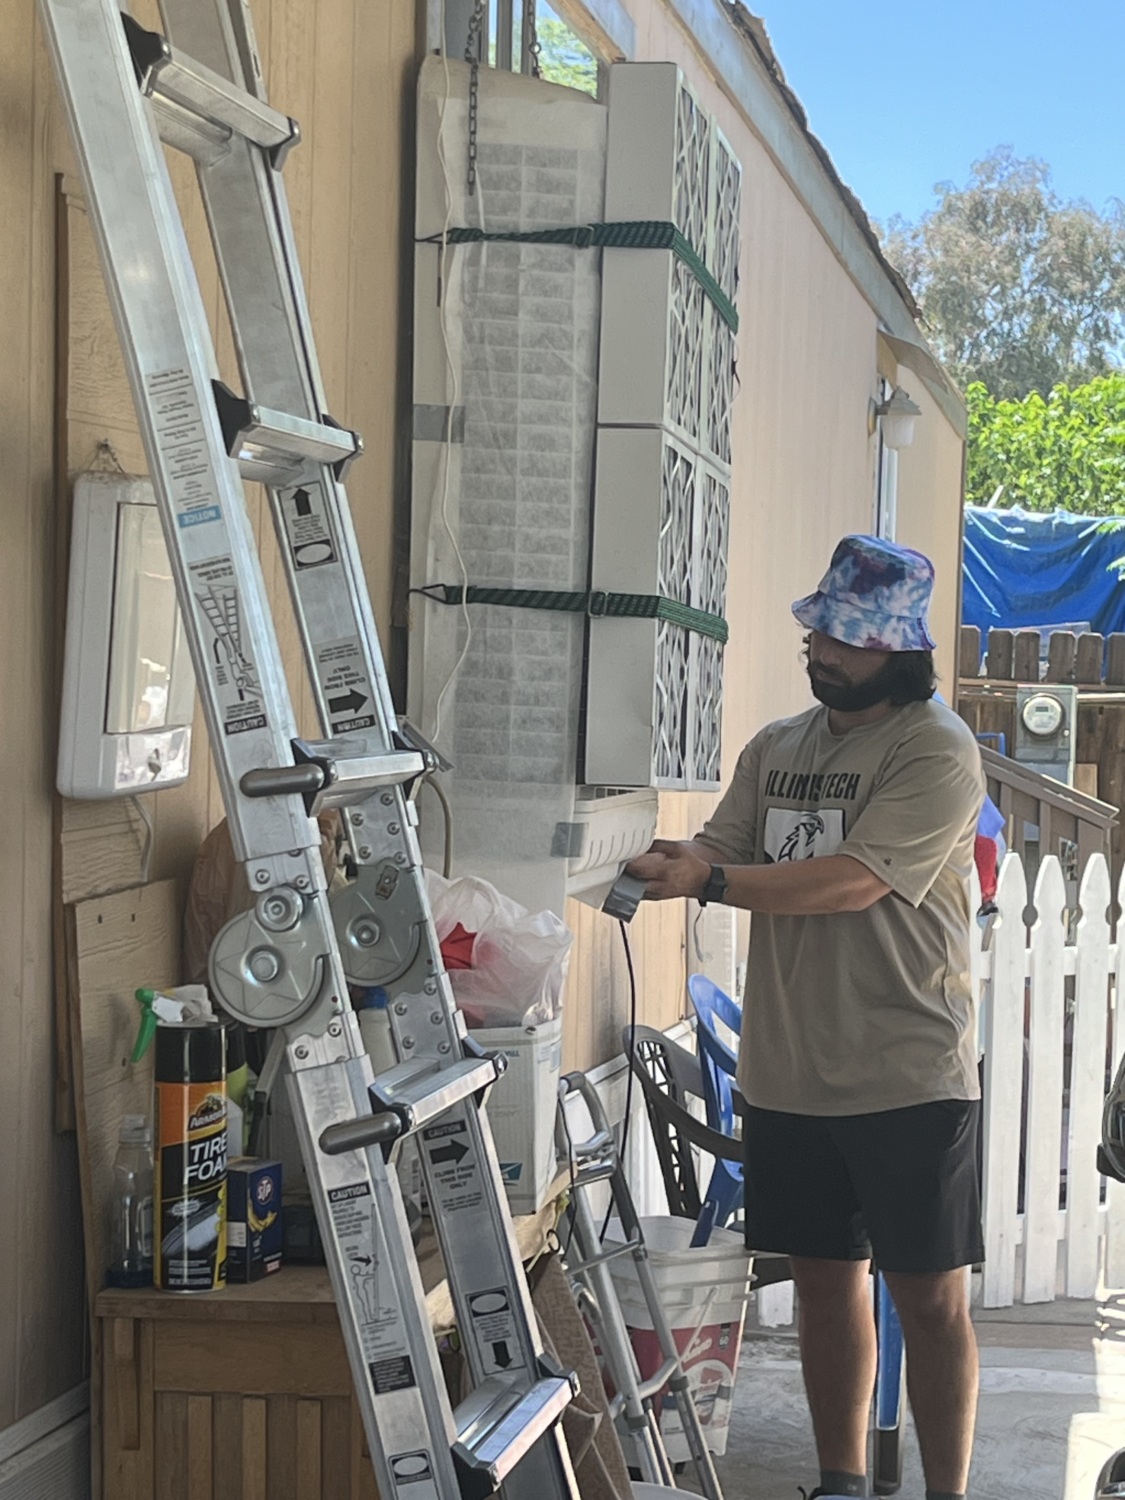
x=703, y=1293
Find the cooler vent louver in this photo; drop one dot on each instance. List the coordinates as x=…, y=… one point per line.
x=666, y=383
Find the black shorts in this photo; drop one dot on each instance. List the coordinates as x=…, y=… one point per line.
x=902, y=1184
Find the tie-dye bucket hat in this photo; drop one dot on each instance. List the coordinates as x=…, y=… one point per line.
x=875, y=595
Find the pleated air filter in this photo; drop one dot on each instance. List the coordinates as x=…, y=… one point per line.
x=662, y=490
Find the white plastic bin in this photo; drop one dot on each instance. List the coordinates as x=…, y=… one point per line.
x=704, y=1293
x=521, y=1108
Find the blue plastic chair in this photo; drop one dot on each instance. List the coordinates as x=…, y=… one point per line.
x=717, y=1064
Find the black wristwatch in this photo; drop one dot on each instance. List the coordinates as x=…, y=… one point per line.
x=715, y=891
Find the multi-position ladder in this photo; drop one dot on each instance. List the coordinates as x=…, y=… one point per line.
x=287, y=962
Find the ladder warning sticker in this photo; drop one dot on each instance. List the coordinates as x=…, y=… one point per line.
x=413, y=1475
x=345, y=684
x=495, y=1331
x=237, y=688
x=453, y=1169
x=306, y=525
x=183, y=444
x=373, y=1298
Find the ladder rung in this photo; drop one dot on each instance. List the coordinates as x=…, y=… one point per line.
x=327, y=773
x=408, y=1096
x=278, y=449
x=421, y=1091
x=647, y=1389
x=498, y=1427
x=588, y=1172
x=580, y=1267
x=200, y=109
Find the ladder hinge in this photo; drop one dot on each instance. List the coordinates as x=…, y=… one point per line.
x=330, y=773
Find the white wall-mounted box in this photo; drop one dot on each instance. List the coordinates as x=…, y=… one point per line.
x=128, y=685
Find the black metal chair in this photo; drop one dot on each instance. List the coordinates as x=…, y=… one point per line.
x=670, y=1077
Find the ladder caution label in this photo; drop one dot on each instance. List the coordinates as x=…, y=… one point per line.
x=455, y=1171
x=413, y=1476
x=393, y=1374
x=388, y=1359
x=183, y=443
x=347, y=690
x=238, y=690
x=306, y=525
x=495, y=1331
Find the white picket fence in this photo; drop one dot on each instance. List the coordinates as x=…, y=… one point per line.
x=1047, y=977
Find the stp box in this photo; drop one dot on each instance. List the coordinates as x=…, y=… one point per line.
x=253, y=1218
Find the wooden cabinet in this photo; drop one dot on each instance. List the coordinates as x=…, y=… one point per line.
x=243, y=1394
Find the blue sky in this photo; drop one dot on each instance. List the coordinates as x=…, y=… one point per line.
x=908, y=95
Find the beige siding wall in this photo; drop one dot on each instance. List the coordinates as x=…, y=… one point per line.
x=929, y=518
x=346, y=71
x=41, y=1328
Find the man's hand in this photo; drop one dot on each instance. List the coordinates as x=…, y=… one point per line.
x=670, y=869
x=818, y=887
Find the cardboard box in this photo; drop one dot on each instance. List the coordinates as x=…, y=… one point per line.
x=253, y=1218
x=521, y=1108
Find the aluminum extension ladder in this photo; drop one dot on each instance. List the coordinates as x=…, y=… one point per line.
x=286, y=963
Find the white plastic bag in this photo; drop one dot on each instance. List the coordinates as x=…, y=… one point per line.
x=519, y=960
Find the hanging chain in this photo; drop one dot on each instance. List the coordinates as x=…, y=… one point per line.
x=534, y=45
x=472, y=57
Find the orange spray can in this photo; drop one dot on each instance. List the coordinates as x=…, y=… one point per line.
x=190, y=1186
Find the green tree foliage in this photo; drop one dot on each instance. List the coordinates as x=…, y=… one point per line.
x=1020, y=290
x=563, y=58
x=1065, y=450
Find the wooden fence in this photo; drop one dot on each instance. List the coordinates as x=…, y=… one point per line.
x=1043, y=816
x=988, y=674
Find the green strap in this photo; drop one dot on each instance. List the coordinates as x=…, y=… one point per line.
x=596, y=603
x=629, y=234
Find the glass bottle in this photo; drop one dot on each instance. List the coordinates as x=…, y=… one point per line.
x=132, y=1204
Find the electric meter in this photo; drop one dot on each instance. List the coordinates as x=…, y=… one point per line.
x=1042, y=715
x=1044, y=739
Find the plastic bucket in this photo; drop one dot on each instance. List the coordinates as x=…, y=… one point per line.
x=703, y=1292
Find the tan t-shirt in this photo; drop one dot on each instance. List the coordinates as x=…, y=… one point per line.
x=859, y=1011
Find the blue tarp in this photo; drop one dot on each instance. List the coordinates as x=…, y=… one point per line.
x=1026, y=568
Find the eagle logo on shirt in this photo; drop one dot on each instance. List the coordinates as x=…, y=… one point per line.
x=799, y=841
x=793, y=833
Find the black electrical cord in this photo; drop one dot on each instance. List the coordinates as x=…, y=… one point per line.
x=629, y=1066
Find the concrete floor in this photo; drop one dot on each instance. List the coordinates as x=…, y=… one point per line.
x=1052, y=1408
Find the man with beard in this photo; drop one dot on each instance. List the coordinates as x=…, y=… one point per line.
x=848, y=831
